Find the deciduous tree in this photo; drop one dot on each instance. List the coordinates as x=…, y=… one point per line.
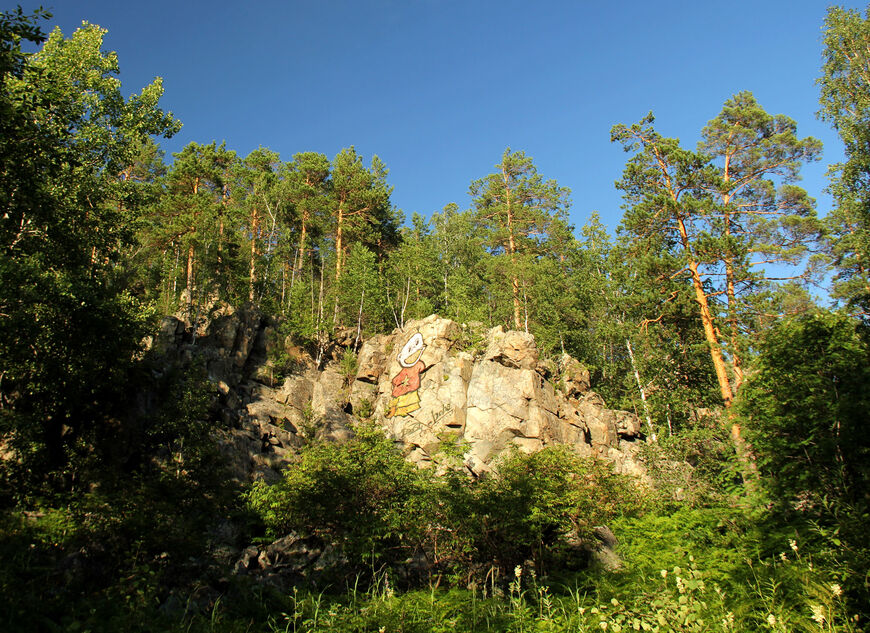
x=845, y=99
x=66, y=334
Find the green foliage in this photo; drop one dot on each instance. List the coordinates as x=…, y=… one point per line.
x=805, y=410
x=461, y=266
x=539, y=507
x=694, y=467
x=364, y=496
x=698, y=585
x=359, y=294
x=845, y=100
x=142, y=526
x=411, y=283
x=365, y=409
x=348, y=365
x=703, y=224
x=472, y=339
x=806, y=407
x=520, y=218
x=111, y=486
x=64, y=321
x=360, y=494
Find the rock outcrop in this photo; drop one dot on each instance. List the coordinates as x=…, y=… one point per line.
x=492, y=401
x=267, y=415
x=426, y=384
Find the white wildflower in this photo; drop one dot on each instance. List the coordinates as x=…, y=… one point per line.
x=783, y=557
x=518, y=571
x=771, y=619
x=836, y=590
x=793, y=545
x=664, y=573
x=818, y=613
x=680, y=586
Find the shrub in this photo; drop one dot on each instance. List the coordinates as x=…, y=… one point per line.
x=543, y=507
x=363, y=496
x=360, y=495
x=805, y=412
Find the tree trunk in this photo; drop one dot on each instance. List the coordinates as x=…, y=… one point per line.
x=189, y=274
x=731, y=294
x=338, y=241
x=710, y=335
x=640, y=389
x=224, y=200
x=730, y=291
x=255, y=226
x=512, y=249
x=707, y=321
x=298, y=255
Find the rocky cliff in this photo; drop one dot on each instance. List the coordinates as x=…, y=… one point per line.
x=431, y=382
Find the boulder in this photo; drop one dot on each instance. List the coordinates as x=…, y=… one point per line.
x=603, y=549
x=574, y=376
x=281, y=562
x=511, y=349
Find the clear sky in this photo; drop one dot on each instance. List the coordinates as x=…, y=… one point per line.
x=439, y=88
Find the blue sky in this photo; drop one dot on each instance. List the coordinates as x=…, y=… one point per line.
x=439, y=88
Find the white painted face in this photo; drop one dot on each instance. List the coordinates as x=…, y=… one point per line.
x=412, y=351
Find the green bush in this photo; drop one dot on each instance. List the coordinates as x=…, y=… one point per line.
x=363, y=496
x=139, y=524
x=360, y=495
x=695, y=467
x=542, y=507
x=805, y=408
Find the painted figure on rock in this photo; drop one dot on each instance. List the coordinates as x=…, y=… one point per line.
x=405, y=398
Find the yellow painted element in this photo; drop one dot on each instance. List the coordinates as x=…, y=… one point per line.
x=412, y=360
x=403, y=405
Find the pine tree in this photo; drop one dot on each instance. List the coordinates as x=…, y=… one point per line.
x=520, y=217
x=260, y=202
x=752, y=224
x=361, y=207
x=715, y=217
x=307, y=190
x=190, y=222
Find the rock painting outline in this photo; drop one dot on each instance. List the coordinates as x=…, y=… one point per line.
x=404, y=397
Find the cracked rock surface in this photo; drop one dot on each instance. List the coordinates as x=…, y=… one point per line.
x=488, y=389
x=504, y=397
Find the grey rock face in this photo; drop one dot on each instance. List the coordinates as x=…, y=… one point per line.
x=502, y=399
x=420, y=383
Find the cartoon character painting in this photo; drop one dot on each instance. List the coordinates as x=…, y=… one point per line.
x=405, y=398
